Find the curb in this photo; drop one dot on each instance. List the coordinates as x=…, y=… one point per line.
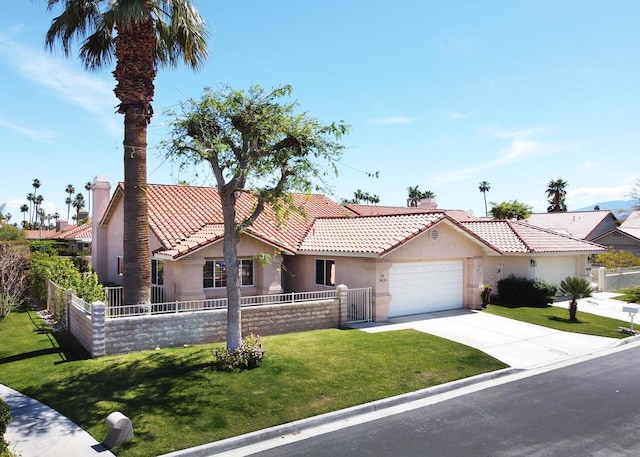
x=228, y=444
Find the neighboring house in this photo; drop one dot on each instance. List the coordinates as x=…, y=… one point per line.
x=415, y=260
x=626, y=237
x=76, y=237
x=583, y=225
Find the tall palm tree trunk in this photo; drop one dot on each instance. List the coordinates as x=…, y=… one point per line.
x=135, y=72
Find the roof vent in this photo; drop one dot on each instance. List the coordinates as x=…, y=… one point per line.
x=434, y=234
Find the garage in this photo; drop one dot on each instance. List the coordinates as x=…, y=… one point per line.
x=425, y=287
x=555, y=269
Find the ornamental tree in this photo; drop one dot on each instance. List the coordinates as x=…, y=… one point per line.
x=255, y=143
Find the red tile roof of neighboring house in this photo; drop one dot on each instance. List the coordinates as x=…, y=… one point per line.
x=520, y=237
x=577, y=224
x=75, y=232
x=377, y=210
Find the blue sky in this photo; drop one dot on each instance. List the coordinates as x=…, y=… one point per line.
x=438, y=94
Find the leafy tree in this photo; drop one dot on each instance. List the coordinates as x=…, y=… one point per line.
x=484, y=187
x=415, y=195
x=510, y=210
x=617, y=259
x=634, y=194
x=142, y=35
x=556, y=193
x=11, y=233
x=575, y=288
x=255, y=143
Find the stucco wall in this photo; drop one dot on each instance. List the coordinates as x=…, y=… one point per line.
x=171, y=330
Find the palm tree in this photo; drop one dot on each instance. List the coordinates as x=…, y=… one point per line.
x=575, y=288
x=414, y=196
x=78, y=204
x=484, y=187
x=88, y=185
x=30, y=198
x=24, y=209
x=70, y=190
x=142, y=35
x=556, y=193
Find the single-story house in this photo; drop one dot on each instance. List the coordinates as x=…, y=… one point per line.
x=415, y=261
x=77, y=238
x=626, y=237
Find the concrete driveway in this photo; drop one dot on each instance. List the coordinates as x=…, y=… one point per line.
x=515, y=343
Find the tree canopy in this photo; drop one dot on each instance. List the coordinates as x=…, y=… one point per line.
x=415, y=195
x=510, y=210
x=255, y=142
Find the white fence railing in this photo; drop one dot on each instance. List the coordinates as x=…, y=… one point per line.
x=113, y=295
x=80, y=303
x=213, y=303
x=359, y=304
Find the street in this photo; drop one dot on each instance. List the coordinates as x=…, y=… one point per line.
x=586, y=409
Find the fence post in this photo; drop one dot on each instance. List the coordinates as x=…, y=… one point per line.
x=343, y=299
x=98, y=329
x=602, y=278
x=68, y=296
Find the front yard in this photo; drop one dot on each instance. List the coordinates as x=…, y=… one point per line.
x=558, y=318
x=175, y=400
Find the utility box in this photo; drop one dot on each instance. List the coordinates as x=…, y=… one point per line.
x=120, y=430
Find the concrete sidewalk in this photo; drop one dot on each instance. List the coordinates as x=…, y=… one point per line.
x=36, y=430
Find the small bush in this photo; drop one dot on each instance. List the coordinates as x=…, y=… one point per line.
x=526, y=292
x=246, y=357
x=5, y=417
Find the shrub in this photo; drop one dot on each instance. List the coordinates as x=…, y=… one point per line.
x=62, y=272
x=526, y=292
x=44, y=246
x=5, y=417
x=246, y=357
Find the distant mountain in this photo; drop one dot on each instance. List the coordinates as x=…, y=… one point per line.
x=620, y=208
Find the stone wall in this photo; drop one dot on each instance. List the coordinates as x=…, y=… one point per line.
x=130, y=334
x=79, y=324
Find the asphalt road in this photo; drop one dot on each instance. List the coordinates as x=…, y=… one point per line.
x=587, y=409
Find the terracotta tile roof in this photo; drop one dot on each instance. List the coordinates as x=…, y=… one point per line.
x=376, y=210
x=39, y=234
x=366, y=234
x=577, y=224
x=633, y=232
x=75, y=232
x=184, y=218
x=520, y=237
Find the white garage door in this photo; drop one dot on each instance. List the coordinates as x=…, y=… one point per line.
x=425, y=287
x=555, y=269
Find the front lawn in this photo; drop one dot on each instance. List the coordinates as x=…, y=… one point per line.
x=558, y=318
x=176, y=401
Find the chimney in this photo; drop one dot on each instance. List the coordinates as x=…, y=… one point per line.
x=101, y=195
x=428, y=203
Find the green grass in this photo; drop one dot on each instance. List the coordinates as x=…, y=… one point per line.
x=176, y=401
x=629, y=295
x=558, y=318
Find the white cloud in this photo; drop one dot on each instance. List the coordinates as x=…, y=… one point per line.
x=392, y=120
x=521, y=148
x=61, y=79
x=34, y=134
x=620, y=191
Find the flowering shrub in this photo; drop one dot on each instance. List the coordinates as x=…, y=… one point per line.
x=246, y=357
